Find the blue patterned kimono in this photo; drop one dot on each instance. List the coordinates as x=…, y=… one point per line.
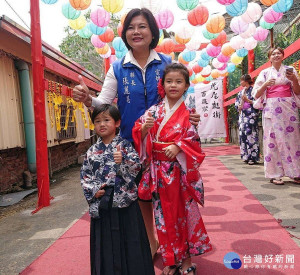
x=99, y=168
x=248, y=128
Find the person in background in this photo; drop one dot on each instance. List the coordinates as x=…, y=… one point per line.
x=133, y=79
x=248, y=122
x=118, y=237
x=277, y=89
x=169, y=147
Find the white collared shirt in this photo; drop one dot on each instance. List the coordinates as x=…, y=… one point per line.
x=110, y=85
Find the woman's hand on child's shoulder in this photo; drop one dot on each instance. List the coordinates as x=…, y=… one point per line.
x=118, y=155
x=171, y=151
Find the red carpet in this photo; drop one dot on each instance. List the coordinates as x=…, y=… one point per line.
x=235, y=221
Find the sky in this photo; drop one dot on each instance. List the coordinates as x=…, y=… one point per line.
x=53, y=21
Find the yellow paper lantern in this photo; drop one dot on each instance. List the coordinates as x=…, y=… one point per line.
x=113, y=6
x=235, y=59
x=80, y=4
x=268, y=2
x=215, y=24
x=103, y=50
x=181, y=60
x=180, y=40
x=161, y=38
x=78, y=23
x=199, y=78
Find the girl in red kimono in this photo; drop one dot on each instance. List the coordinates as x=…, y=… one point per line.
x=169, y=147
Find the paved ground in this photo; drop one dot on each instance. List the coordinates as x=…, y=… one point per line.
x=24, y=236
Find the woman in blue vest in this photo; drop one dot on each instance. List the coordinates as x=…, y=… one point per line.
x=133, y=79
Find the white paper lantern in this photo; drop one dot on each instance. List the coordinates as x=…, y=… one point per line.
x=206, y=70
x=250, y=43
x=253, y=13
x=194, y=44
x=217, y=64
x=237, y=42
x=249, y=32
x=152, y=5
x=238, y=25
x=185, y=30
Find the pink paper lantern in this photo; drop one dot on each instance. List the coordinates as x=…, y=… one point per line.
x=212, y=50
x=271, y=16
x=250, y=43
x=237, y=42
x=249, y=32
x=225, y=2
x=100, y=17
x=238, y=25
x=96, y=41
x=164, y=19
x=223, y=58
x=261, y=34
x=252, y=14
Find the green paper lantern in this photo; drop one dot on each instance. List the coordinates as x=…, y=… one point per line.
x=265, y=25
x=85, y=32
x=69, y=12
x=208, y=35
x=187, y=5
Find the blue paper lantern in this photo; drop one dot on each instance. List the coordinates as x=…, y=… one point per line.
x=119, y=45
x=265, y=25
x=120, y=54
x=238, y=7
x=49, y=2
x=242, y=52
x=204, y=55
x=85, y=32
x=209, y=78
x=96, y=29
x=230, y=67
x=208, y=35
x=69, y=12
x=203, y=63
x=190, y=90
x=187, y=5
x=282, y=5
x=189, y=55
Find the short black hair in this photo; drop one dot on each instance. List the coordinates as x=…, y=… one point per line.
x=151, y=21
x=247, y=78
x=111, y=109
x=176, y=67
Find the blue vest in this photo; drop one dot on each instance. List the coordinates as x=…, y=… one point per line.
x=135, y=96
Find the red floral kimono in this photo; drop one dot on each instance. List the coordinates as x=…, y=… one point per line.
x=175, y=186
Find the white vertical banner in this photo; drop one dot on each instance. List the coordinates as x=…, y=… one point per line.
x=209, y=104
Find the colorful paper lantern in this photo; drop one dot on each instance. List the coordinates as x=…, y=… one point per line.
x=197, y=69
x=164, y=19
x=209, y=35
x=167, y=46
x=96, y=29
x=107, y=55
x=250, y=43
x=235, y=59
x=187, y=5
x=185, y=30
x=69, y=12
x=242, y=52
x=223, y=58
x=78, y=23
x=118, y=44
x=202, y=62
x=190, y=90
x=161, y=37
x=271, y=16
x=204, y=55
x=208, y=79
x=237, y=42
x=113, y=6
x=217, y=64
x=268, y=2
x=49, y=2
x=261, y=34
x=188, y=55
x=249, y=32
x=108, y=36
x=206, y=71
x=85, y=32
x=190, y=71
x=238, y=25
x=153, y=5
x=120, y=54
x=227, y=50
x=97, y=43
x=123, y=18
x=194, y=44
x=215, y=24
x=198, y=16
x=100, y=17
x=252, y=14
x=282, y=5
x=238, y=7
x=230, y=67
x=103, y=50
x=265, y=25
x=180, y=40
x=119, y=29
x=225, y=2
x=213, y=50
x=193, y=76
x=223, y=67
x=80, y=4
x=181, y=60
x=215, y=73
x=220, y=39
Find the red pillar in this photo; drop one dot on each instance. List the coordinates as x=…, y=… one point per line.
x=39, y=108
x=251, y=61
x=225, y=110
x=106, y=65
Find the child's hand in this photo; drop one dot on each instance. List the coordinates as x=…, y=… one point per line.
x=149, y=123
x=171, y=151
x=118, y=155
x=99, y=193
x=194, y=117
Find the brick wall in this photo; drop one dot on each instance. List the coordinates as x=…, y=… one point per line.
x=13, y=162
